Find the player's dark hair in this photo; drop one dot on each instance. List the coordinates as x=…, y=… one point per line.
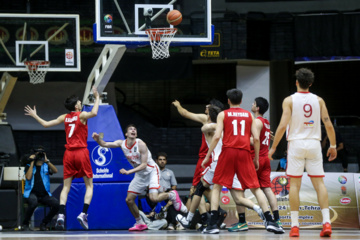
x=262, y=104
x=162, y=154
x=217, y=103
x=129, y=126
x=70, y=102
x=305, y=77
x=234, y=95
x=213, y=112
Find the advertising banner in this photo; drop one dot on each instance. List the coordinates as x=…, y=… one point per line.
x=342, y=195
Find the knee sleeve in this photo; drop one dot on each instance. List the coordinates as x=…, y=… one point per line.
x=200, y=189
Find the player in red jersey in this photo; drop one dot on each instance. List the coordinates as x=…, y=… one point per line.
x=236, y=125
x=259, y=107
x=203, y=119
x=76, y=157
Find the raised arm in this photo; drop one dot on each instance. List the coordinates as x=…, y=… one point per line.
x=102, y=143
x=330, y=131
x=285, y=119
x=216, y=137
x=32, y=112
x=197, y=117
x=95, y=109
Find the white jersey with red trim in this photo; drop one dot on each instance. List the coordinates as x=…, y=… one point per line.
x=133, y=155
x=217, y=150
x=305, y=122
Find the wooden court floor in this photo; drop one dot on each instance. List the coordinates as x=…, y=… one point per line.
x=173, y=235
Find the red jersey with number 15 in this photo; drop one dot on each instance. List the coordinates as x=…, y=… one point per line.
x=237, y=128
x=76, y=131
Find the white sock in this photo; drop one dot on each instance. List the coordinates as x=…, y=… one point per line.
x=189, y=216
x=294, y=218
x=326, y=215
x=139, y=220
x=256, y=207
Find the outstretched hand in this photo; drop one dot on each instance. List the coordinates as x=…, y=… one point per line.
x=29, y=111
x=123, y=171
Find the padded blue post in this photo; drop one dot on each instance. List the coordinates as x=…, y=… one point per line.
x=108, y=209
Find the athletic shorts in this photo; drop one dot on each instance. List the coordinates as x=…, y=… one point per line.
x=141, y=181
x=304, y=154
x=208, y=175
x=264, y=171
x=236, y=184
x=77, y=163
x=236, y=161
x=199, y=170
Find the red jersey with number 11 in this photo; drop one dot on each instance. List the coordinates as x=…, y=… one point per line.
x=76, y=131
x=237, y=128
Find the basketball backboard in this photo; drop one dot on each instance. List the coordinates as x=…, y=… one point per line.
x=125, y=21
x=49, y=37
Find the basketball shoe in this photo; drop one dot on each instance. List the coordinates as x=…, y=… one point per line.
x=326, y=231
x=82, y=218
x=294, y=232
x=138, y=227
x=60, y=222
x=178, y=205
x=183, y=221
x=239, y=227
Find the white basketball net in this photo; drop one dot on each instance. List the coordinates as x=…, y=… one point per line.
x=37, y=70
x=160, y=39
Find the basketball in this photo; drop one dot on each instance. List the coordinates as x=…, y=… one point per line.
x=174, y=17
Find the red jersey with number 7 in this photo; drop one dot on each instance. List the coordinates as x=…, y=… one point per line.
x=237, y=128
x=76, y=131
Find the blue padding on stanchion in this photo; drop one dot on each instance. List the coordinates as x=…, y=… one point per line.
x=106, y=162
x=108, y=209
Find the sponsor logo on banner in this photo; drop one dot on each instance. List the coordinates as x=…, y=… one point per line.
x=345, y=201
x=101, y=156
x=342, y=179
x=4, y=34
x=34, y=34
x=69, y=57
x=86, y=36
x=58, y=39
x=225, y=200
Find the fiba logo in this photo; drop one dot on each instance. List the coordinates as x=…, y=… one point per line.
x=101, y=156
x=108, y=18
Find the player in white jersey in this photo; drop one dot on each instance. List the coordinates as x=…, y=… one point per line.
x=301, y=117
x=146, y=171
x=203, y=186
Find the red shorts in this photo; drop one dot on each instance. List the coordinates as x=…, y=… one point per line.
x=199, y=170
x=77, y=163
x=264, y=172
x=236, y=160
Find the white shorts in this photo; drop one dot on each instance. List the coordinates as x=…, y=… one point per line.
x=304, y=154
x=208, y=175
x=236, y=184
x=141, y=181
